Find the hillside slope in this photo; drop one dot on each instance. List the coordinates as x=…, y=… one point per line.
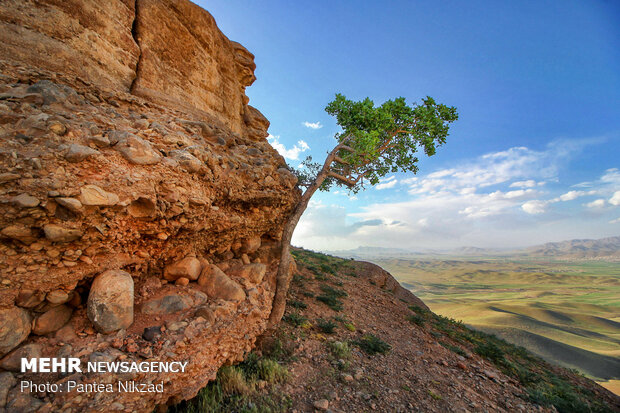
x=354, y=340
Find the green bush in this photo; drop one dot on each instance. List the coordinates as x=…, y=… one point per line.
x=339, y=349
x=372, y=344
x=298, y=304
x=416, y=319
x=331, y=291
x=295, y=319
x=326, y=326
x=490, y=350
x=332, y=302
x=232, y=381
x=270, y=371
x=350, y=327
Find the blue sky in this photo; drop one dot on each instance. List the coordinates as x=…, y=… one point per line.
x=535, y=155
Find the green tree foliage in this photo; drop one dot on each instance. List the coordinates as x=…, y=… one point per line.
x=378, y=140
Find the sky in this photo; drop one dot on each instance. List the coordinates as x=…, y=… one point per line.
x=534, y=156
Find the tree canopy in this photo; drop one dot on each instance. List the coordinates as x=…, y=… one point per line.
x=377, y=140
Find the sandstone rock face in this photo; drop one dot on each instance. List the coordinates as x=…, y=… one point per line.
x=212, y=78
x=110, y=302
x=88, y=38
x=127, y=146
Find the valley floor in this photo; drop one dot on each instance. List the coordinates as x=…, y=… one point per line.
x=565, y=312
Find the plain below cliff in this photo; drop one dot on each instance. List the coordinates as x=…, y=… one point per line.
x=354, y=340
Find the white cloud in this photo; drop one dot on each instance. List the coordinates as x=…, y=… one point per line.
x=496, y=200
x=518, y=167
x=611, y=176
x=292, y=153
x=615, y=221
x=530, y=183
x=615, y=199
x=387, y=183
x=571, y=195
x=598, y=203
x=534, y=207
x=312, y=125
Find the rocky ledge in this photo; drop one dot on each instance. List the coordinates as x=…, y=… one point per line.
x=140, y=203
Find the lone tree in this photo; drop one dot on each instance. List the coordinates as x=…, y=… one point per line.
x=375, y=141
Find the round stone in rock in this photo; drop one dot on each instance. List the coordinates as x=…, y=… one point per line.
x=96, y=196
x=29, y=298
x=71, y=204
x=13, y=360
x=25, y=201
x=206, y=313
x=22, y=402
x=182, y=281
x=110, y=301
x=188, y=267
x=52, y=320
x=20, y=233
x=57, y=233
x=252, y=272
x=6, y=382
x=250, y=245
x=57, y=297
x=58, y=128
x=151, y=333
x=14, y=328
x=219, y=285
x=167, y=304
x=322, y=404
x=137, y=150
x=77, y=153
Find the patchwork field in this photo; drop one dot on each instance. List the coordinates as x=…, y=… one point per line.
x=566, y=312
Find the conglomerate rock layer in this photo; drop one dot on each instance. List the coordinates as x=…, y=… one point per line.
x=129, y=155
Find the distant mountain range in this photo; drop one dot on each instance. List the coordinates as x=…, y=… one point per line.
x=578, y=248
x=604, y=248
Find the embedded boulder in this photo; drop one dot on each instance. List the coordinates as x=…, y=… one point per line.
x=188, y=267
x=138, y=151
x=252, y=272
x=110, y=301
x=219, y=285
x=51, y=320
x=14, y=328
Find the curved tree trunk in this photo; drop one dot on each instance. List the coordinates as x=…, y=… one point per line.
x=283, y=278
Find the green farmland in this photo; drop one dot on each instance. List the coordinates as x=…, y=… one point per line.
x=567, y=312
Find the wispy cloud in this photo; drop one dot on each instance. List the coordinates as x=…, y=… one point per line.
x=530, y=183
x=498, y=199
x=312, y=125
x=291, y=153
x=387, y=183
x=597, y=203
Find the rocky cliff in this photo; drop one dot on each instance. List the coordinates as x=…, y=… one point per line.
x=140, y=202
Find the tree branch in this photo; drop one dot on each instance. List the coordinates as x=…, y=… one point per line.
x=341, y=178
x=340, y=160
